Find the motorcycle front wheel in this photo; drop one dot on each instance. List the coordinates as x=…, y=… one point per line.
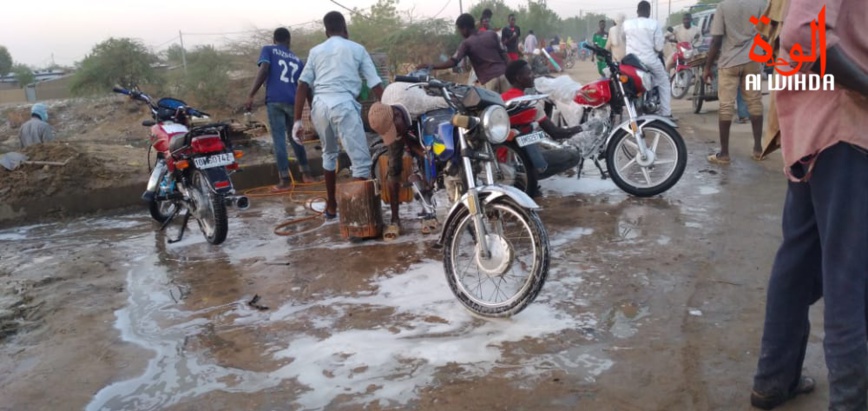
x=681, y=83
x=622, y=159
x=511, y=278
x=161, y=211
x=209, y=209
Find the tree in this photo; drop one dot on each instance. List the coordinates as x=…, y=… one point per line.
x=23, y=75
x=175, y=54
x=123, y=61
x=207, y=78
x=5, y=61
x=371, y=29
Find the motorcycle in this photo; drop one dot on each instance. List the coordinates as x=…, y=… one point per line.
x=192, y=170
x=645, y=155
x=683, y=76
x=492, y=235
x=522, y=157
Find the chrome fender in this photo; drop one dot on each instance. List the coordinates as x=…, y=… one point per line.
x=641, y=121
x=487, y=194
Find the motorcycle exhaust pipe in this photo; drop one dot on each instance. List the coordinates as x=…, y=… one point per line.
x=239, y=202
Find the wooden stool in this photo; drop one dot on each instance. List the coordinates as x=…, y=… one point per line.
x=359, y=210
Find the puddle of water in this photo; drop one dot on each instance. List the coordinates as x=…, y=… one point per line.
x=708, y=190
x=427, y=330
x=565, y=186
x=664, y=240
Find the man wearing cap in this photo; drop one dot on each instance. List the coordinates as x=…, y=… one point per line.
x=36, y=130
x=392, y=122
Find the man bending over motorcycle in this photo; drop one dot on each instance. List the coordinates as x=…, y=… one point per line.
x=392, y=123
x=547, y=162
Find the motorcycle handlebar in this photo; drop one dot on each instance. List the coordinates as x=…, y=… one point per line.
x=409, y=79
x=121, y=91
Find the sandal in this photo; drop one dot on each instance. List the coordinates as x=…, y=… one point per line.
x=757, y=157
x=771, y=401
x=391, y=232
x=429, y=225
x=717, y=159
x=329, y=216
x=284, y=186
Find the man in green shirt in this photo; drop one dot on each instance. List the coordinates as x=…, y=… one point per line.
x=600, y=39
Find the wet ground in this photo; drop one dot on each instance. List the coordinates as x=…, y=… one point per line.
x=651, y=304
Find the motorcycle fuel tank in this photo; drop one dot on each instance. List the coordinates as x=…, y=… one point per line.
x=594, y=94
x=438, y=133
x=162, y=133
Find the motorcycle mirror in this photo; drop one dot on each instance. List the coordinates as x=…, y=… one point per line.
x=149, y=123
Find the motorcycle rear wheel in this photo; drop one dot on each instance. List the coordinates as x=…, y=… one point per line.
x=628, y=175
x=523, y=244
x=210, y=209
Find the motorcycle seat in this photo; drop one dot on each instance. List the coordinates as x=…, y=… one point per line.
x=178, y=142
x=633, y=61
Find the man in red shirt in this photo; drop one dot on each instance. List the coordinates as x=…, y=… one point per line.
x=825, y=224
x=546, y=162
x=510, y=36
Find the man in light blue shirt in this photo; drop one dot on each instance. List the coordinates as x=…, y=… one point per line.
x=332, y=70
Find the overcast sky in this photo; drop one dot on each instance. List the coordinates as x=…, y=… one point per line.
x=68, y=29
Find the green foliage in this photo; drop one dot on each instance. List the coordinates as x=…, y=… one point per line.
x=207, y=78
x=23, y=75
x=5, y=61
x=120, y=61
x=175, y=54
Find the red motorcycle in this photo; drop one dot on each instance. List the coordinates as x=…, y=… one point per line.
x=645, y=155
x=683, y=76
x=191, y=173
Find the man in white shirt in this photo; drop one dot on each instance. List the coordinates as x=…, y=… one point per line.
x=645, y=41
x=685, y=33
x=530, y=43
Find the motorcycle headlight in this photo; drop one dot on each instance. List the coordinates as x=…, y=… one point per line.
x=495, y=123
x=689, y=54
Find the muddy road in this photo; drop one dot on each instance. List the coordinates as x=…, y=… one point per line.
x=651, y=304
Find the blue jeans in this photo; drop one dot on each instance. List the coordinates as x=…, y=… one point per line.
x=281, y=118
x=344, y=121
x=741, y=104
x=825, y=230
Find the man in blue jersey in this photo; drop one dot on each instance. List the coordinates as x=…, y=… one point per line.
x=279, y=70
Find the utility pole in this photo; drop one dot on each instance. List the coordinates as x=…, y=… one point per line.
x=183, y=51
x=460, y=7
x=669, y=15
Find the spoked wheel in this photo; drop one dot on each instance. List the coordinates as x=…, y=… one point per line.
x=663, y=169
x=698, y=96
x=209, y=210
x=161, y=211
x=681, y=83
x=506, y=282
x=516, y=168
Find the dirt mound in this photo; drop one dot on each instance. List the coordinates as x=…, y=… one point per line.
x=31, y=182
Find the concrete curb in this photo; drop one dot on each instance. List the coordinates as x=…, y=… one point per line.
x=129, y=195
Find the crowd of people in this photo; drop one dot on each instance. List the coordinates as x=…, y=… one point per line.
x=821, y=134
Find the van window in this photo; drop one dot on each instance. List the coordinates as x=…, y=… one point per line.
x=706, y=28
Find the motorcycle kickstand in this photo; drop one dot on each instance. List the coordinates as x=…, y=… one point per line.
x=603, y=174
x=183, y=228
x=170, y=219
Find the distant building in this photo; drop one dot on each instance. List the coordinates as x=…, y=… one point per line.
x=39, y=75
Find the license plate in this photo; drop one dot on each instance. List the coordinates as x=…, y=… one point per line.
x=529, y=139
x=217, y=160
